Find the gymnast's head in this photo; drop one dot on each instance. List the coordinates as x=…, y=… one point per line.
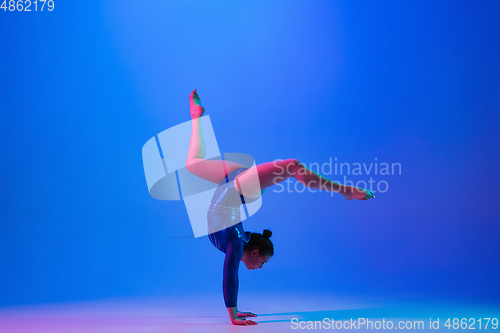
x=259, y=250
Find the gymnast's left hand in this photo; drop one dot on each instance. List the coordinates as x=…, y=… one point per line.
x=245, y=314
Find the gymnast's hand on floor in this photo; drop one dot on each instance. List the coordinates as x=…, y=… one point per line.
x=357, y=193
x=244, y=322
x=245, y=314
x=239, y=318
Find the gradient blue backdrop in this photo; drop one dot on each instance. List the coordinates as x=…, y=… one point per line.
x=411, y=82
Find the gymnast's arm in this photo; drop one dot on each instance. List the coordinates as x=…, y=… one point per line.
x=234, y=253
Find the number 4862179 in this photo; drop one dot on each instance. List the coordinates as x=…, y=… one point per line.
x=27, y=5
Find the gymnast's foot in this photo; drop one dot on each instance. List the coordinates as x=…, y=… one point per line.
x=357, y=193
x=195, y=105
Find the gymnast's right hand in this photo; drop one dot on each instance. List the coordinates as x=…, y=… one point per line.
x=244, y=322
x=233, y=315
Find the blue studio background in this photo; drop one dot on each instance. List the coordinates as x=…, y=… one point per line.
x=412, y=82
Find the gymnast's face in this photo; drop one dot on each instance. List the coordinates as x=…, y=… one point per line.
x=253, y=259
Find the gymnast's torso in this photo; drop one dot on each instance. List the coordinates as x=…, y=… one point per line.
x=226, y=233
x=224, y=214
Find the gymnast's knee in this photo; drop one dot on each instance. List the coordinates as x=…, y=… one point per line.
x=292, y=164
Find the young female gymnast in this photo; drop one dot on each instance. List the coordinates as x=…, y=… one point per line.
x=253, y=249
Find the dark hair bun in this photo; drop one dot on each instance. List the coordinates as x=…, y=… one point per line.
x=267, y=233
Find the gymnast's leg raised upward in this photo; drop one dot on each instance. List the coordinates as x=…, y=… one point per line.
x=251, y=182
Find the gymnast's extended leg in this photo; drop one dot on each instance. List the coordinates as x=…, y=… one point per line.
x=271, y=173
x=212, y=170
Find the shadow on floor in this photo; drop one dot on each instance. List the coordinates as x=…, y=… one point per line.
x=407, y=311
